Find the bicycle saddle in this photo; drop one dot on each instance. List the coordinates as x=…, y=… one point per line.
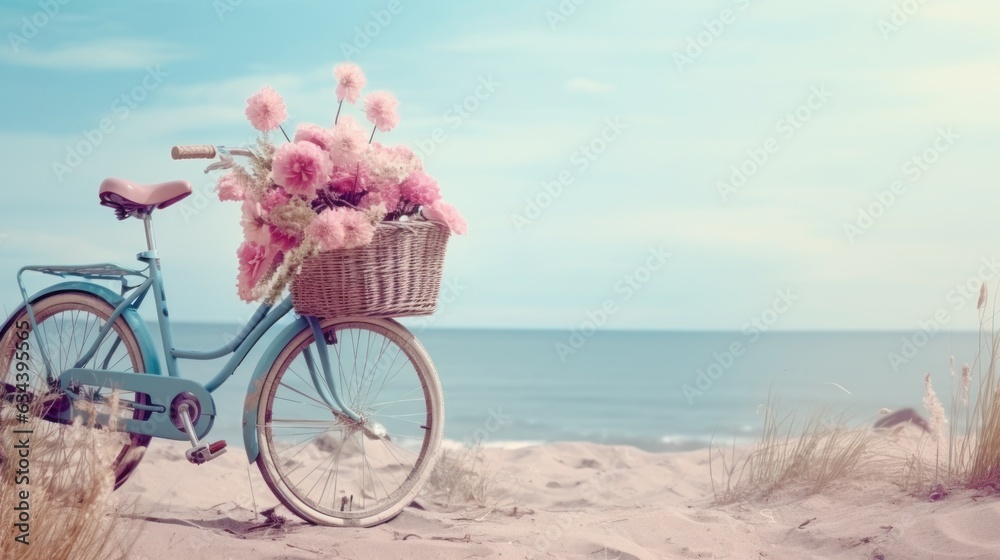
x=136, y=199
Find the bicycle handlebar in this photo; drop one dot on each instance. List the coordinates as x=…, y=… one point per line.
x=204, y=151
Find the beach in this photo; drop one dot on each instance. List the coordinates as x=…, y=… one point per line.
x=560, y=500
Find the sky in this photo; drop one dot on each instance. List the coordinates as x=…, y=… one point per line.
x=681, y=165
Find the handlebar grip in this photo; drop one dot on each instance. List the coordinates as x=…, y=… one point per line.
x=204, y=151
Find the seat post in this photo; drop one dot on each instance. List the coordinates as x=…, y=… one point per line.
x=147, y=221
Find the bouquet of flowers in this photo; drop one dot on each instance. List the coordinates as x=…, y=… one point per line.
x=325, y=189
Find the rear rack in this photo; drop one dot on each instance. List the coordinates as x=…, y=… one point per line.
x=103, y=271
x=88, y=271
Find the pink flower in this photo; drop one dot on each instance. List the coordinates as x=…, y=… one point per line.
x=230, y=187
x=446, y=214
x=350, y=80
x=281, y=241
x=254, y=225
x=327, y=230
x=387, y=195
x=380, y=108
x=383, y=188
x=420, y=188
x=341, y=228
x=316, y=134
x=274, y=198
x=358, y=231
x=405, y=155
x=266, y=110
x=348, y=142
x=300, y=167
x=383, y=169
x=254, y=264
x=345, y=180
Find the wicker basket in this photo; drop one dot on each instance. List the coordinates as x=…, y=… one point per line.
x=397, y=275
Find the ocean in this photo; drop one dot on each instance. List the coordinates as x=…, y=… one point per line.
x=658, y=391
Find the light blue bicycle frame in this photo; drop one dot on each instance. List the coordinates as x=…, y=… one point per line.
x=262, y=320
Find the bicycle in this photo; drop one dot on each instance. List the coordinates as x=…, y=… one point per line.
x=343, y=416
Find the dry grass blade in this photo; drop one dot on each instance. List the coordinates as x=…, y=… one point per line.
x=812, y=456
x=73, y=513
x=462, y=477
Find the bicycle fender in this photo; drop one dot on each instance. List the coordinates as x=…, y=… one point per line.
x=257, y=383
x=131, y=316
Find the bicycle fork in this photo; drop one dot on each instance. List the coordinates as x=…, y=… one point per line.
x=327, y=388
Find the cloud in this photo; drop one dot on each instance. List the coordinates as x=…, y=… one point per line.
x=105, y=54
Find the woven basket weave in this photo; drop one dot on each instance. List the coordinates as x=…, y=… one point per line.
x=397, y=275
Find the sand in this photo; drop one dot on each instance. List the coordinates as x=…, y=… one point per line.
x=567, y=500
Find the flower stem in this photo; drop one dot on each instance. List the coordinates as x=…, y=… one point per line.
x=282, y=129
x=374, y=128
x=337, y=118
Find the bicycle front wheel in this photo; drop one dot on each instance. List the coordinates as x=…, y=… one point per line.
x=328, y=468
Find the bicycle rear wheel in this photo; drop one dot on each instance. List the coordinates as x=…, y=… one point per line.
x=330, y=469
x=68, y=325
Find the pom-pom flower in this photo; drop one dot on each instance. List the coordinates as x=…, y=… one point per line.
x=230, y=187
x=348, y=142
x=380, y=109
x=266, y=110
x=358, y=231
x=446, y=214
x=327, y=231
x=341, y=228
x=300, y=167
x=350, y=81
x=420, y=189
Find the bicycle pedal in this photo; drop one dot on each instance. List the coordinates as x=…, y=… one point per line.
x=205, y=452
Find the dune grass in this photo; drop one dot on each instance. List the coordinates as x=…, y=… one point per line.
x=72, y=511
x=810, y=454
x=967, y=452
x=463, y=477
